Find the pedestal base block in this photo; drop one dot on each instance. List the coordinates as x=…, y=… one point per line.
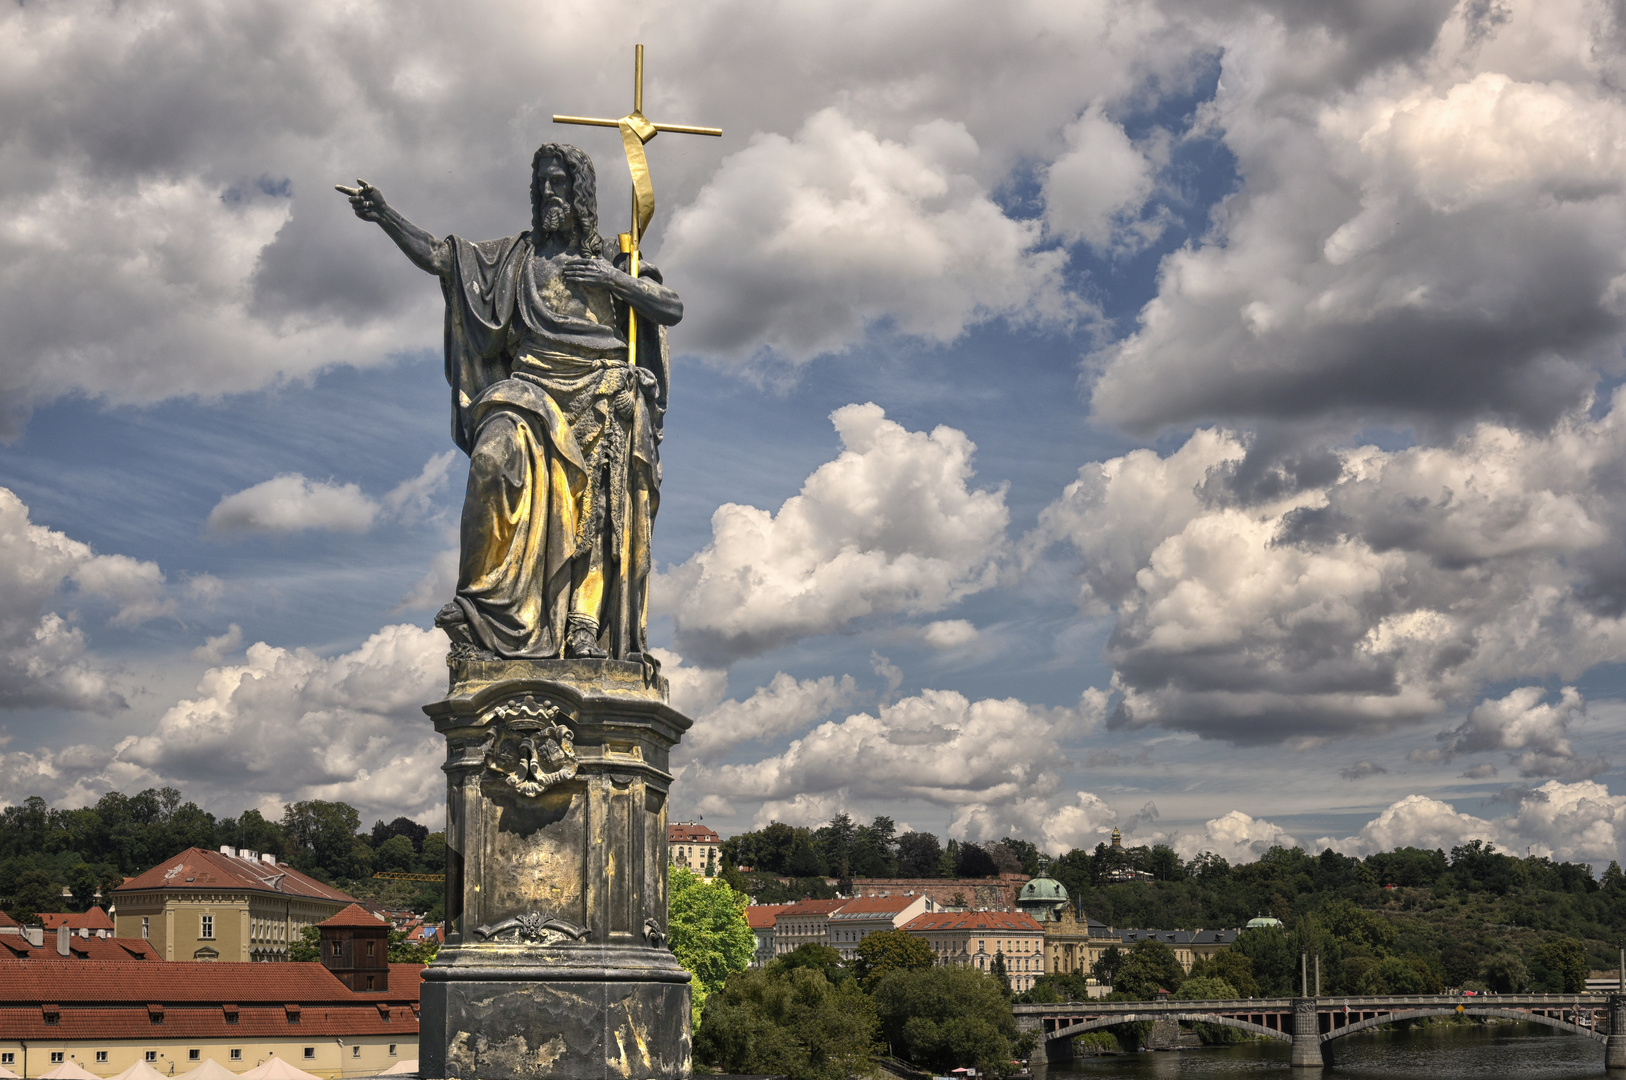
x=525, y=1022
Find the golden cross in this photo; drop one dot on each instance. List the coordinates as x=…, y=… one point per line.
x=636, y=130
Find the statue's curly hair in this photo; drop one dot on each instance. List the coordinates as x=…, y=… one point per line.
x=583, y=194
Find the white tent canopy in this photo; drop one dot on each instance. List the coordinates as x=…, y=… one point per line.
x=410, y=1065
x=209, y=1070
x=7, y=1074
x=68, y=1070
x=277, y=1069
x=141, y=1071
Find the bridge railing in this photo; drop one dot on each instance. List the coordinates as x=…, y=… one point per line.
x=1368, y=1004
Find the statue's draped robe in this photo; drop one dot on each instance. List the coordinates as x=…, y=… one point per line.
x=537, y=368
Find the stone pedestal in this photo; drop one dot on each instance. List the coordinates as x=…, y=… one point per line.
x=555, y=964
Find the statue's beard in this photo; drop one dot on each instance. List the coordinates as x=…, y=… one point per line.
x=557, y=220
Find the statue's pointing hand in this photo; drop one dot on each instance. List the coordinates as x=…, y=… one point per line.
x=366, y=200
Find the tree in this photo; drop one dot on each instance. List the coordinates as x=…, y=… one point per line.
x=975, y=862
x=1148, y=967
x=321, y=835
x=403, y=951
x=708, y=932
x=835, y=843
x=804, y=859
x=822, y=957
x=943, y=1017
x=872, y=849
x=1230, y=967
x=1164, y=864
x=433, y=858
x=33, y=893
x=1275, y=965
x=307, y=947
x=1559, y=966
x=1106, y=966
x=1027, y=857
x=395, y=855
x=1505, y=973
x=919, y=855
x=997, y=970
x=788, y=1021
x=886, y=951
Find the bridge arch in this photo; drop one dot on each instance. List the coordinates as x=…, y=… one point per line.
x=1194, y=1017
x=1468, y=1010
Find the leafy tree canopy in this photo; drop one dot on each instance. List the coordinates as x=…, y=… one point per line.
x=887, y=951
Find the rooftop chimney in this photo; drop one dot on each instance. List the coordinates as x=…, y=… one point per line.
x=269, y=858
x=62, y=936
x=245, y=853
x=35, y=936
x=227, y=849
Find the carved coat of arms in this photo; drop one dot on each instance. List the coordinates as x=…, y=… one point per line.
x=532, y=748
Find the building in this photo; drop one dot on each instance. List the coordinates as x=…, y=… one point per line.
x=761, y=919
x=106, y=1015
x=694, y=846
x=856, y=919
x=222, y=905
x=976, y=937
x=806, y=922
x=1188, y=945
x=356, y=948
x=92, y=923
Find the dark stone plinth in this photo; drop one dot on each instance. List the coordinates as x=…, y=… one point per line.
x=555, y=965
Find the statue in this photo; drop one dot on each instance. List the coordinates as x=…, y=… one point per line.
x=562, y=431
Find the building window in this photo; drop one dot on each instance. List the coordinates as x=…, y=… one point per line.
x=355, y=1051
x=370, y=945
x=310, y=1053
x=236, y=1055
x=392, y=1049
x=370, y=985
x=152, y=1055
x=9, y=1058
x=193, y=1055
x=56, y=1057
x=101, y=1057
x=334, y=951
x=206, y=928
x=146, y=927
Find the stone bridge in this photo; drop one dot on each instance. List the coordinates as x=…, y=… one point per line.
x=1311, y=1024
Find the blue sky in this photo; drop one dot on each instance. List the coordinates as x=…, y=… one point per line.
x=1195, y=419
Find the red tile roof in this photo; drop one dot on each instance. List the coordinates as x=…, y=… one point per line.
x=206, y=1022
x=94, y=919
x=811, y=907
x=197, y=869
x=861, y=906
x=7, y=920
x=993, y=921
x=180, y=985
x=687, y=832
x=16, y=947
x=356, y=915
x=761, y=916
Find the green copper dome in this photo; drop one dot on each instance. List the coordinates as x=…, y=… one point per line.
x=1262, y=921
x=1043, y=889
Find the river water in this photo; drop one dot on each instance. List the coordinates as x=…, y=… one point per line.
x=1447, y=1052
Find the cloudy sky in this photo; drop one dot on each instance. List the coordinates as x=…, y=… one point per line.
x=1195, y=417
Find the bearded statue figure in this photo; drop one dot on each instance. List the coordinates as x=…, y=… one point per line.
x=561, y=431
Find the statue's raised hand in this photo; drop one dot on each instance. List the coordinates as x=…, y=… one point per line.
x=366, y=200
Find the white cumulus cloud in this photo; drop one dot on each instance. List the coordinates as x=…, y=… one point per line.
x=291, y=503
x=890, y=525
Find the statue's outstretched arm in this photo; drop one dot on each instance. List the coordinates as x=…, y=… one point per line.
x=426, y=252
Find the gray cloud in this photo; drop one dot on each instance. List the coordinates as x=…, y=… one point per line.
x=1431, y=225
x=1362, y=769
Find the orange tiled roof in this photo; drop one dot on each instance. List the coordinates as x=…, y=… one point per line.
x=356, y=915
x=685, y=832
x=180, y=985
x=16, y=947
x=7, y=920
x=812, y=907
x=94, y=919
x=195, y=868
x=1017, y=922
x=873, y=905
x=762, y=916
